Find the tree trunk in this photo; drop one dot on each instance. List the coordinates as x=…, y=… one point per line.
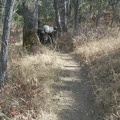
x=45, y=11
x=69, y=8
x=98, y=17
x=80, y=11
x=114, y=5
x=0, y=13
x=5, y=39
x=76, y=6
x=90, y=6
x=2, y=6
x=57, y=15
x=64, y=15
x=30, y=15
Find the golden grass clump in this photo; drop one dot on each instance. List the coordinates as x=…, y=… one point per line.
x=102, y=56
x=29, y=77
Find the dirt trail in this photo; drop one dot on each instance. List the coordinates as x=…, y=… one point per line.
x=72, y=97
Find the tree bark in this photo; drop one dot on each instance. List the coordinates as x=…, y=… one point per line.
x=65, y=15
x=5, y=39
x=90, y=2
x=69, y=8
x=98, y=16
x=2, y=6
x=30, y=15
x=0, y=13
x=45, y=10
x=76, y=6
x=57, y=15
x=113, y=5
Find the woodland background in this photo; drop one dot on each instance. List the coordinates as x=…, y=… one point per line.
x=88, y=29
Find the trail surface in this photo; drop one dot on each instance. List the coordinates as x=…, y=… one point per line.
x=72, y=97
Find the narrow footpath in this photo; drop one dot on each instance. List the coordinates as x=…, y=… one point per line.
x=72, y=97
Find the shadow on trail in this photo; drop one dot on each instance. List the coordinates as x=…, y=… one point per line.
x=74, y=95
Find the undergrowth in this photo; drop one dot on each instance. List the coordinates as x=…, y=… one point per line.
x=25, y=94
x=99, y=49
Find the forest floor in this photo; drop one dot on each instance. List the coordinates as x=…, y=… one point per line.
x=72, y=96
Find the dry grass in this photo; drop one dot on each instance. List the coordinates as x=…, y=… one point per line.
x=29, y=77
x=100, y=51
x=65, y=43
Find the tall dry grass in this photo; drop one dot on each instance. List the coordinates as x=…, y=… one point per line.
x=99, y=50
x=26, y=93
